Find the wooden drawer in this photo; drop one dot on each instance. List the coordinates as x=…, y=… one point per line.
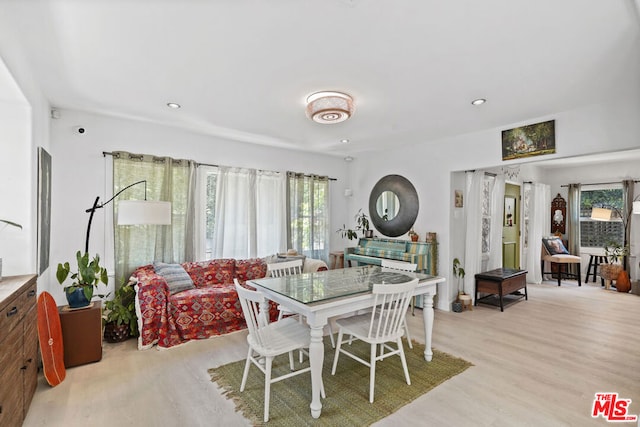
x=10, y=348
x=30, y=356
x=10, y=316
x=11, y=407
x=15, y=308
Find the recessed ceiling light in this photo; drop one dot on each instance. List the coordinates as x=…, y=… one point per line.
x=344, y=141
x=173, y=105
x=478, y=101
x=348, y=159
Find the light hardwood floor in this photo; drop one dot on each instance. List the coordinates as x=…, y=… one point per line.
x=539, y=363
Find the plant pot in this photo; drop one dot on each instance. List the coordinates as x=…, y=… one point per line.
x=623, y=284
x=456, y=307
x=414, y=237
x=116, y=333
x=610, y=271
x=368, y=234
x=76, y=299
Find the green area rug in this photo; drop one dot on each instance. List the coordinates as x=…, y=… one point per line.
x=347, y=402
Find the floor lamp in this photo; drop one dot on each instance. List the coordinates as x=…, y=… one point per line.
x=133, y=212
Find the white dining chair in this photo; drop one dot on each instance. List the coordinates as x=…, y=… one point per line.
x=402, y=266
x=281, y=269
x=269, y=340
x=287, y=268
x=380, y=327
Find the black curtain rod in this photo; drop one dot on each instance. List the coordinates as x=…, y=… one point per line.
x=107, y=153
x=486, y=173
x=599, y=183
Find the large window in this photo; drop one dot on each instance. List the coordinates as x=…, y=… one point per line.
x=308, y=212
x=246, y=213
x=599, y=233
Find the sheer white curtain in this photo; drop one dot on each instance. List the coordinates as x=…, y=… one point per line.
x=473, y=240
x=249, y=213
x=167, y=180
x=496, y=192
x=539, y=196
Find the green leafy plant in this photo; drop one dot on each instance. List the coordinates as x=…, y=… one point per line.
x=458, y=273
x=88, y=276
x=614, y=251
x=122, y=309
x=362, y=221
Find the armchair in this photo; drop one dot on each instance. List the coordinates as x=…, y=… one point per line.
x=559, y=258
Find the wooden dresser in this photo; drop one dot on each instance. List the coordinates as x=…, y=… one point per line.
x=18, y=347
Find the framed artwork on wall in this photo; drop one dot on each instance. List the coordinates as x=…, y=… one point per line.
x=44, y=208
x=459, y=202
x=530, y=140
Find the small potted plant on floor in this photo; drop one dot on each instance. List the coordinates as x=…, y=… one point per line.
x=88, y=276
x=614, y=253
x=458, y=273
x=119, y=315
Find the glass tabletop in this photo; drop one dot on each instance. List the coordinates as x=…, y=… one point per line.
x=308, y=288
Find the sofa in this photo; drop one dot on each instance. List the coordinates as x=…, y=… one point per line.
x=208, y=307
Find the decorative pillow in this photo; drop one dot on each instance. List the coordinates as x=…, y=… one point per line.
x=554, y=246
x=176, y=276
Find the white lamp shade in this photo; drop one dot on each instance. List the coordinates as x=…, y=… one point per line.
x=135, y=212
x=601, y=214
x=636, y=207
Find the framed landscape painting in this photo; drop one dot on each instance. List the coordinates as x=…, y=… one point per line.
x=530, y=140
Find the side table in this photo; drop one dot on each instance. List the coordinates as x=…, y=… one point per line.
x=81, y=334
x=336, y=260
x=501, y=282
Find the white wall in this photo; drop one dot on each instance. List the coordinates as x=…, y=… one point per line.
x=609, y=126
x=24, y=127
x=79, y=172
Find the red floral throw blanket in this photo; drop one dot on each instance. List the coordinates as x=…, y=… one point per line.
x=210, y=308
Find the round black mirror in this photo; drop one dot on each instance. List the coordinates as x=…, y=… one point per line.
x=398, y=196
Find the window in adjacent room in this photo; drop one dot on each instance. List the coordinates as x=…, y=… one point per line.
x=599, y=233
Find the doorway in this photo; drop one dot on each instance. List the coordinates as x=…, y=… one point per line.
x=511, y=227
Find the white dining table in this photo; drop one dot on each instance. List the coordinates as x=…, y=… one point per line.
x=322, y=295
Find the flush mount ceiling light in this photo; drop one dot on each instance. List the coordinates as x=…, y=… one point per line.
x=173, y=105
x=329, y=107
x=478, y=101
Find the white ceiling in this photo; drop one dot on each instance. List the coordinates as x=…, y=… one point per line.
x=241, y=69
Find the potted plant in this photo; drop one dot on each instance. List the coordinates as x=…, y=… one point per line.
x=88, y=276
x=362, y=221
x=413, y=235
x=458, y=273
x=6, y=224
x=119, y=315
x=614, y=253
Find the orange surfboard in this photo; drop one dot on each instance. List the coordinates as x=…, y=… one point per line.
x=50, y=337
